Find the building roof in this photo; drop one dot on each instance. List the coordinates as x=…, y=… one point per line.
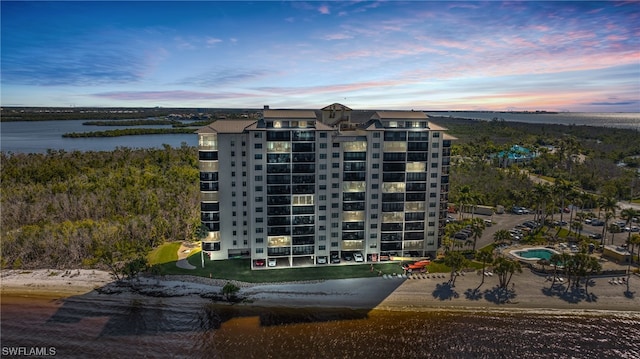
x=289, y=114
x=393, y=115
x=226, y=126
x=335, y=106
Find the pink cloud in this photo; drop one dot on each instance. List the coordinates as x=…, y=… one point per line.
x=324, y=10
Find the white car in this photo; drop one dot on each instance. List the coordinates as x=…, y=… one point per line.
x=358, y=257
x=272, y=262
x=322, y=260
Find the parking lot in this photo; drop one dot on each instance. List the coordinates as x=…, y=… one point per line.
x=509, y=220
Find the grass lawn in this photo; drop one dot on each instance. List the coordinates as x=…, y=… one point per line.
x=166, y=253
x=165, y=258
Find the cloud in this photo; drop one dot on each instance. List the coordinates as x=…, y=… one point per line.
x=621, y=103
x=168, y=95
x=74, y=66
x=324, y=10
x=224, y=77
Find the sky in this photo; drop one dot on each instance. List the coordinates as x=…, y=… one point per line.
x=579, y=56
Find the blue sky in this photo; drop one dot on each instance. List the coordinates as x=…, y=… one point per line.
x=451, y=55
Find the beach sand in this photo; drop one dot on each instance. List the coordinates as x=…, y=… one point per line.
x=530, y=292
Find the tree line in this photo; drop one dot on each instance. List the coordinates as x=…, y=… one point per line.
x=85, y=209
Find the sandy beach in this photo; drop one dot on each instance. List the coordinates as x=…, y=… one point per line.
x=529, y=292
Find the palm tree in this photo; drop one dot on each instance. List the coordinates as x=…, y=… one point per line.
x=609, y=205
x=456, y=261
x=477, y=227
x=542, y=195
x=633, y=241
x=555, y=259
x=464, y=197
x=505, y=268
x=501, y=236
x=449, y=231
x=485, y=257
x=628, y=214
x=562, y=188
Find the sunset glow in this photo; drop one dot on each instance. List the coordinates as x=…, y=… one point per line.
x=554, y=56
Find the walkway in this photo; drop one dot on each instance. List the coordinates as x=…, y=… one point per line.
x=185, y=249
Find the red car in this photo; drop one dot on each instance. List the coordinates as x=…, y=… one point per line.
x=259, y=262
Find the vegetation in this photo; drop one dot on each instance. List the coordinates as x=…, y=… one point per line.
x=96, y=209
x=585, y=157
x=129, y=132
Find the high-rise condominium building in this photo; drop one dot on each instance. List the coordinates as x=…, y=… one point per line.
x=303, y=187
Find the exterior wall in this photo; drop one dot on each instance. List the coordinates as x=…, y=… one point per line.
x=298, y=194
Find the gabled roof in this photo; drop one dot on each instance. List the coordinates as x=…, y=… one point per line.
x=335, y=106
x=226, y=126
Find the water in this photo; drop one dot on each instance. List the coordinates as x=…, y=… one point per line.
x=536, y=253
x=603, y=119
x=113, y=326
x=39, y=136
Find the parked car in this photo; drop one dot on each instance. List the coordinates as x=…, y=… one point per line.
x=358, y=257
x=597, y=222
x=347, y=256
x=595, y=236
x=272, y=262
x=335, y=259
x=322, y=260
x=259, y=262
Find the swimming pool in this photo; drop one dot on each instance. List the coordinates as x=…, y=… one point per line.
x=531, y=254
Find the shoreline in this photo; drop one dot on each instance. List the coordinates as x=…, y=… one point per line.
x=531, y=294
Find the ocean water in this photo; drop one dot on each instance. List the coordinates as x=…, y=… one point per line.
x=626, y=120
x=187, y=327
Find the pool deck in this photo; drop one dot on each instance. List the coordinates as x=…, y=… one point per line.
x=607, y=265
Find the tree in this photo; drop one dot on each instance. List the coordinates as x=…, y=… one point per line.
x=501, y=236
x=464, y=197
x=456, y=261
x=542, y=195
x=477, y=227
x=632, y=243
x=562, y=189
x=229, y=291
x=505, y=268
x=484, y=256
x=609, y=205
x=555, y=259
x=628, y=214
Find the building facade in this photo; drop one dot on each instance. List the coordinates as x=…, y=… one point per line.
x=300, y=187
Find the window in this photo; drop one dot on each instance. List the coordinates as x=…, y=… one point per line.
x=257, y=146
x=259, y=230
x=335, y=155
x=375, y=165
x=257, y=135
x=375, y=155
x=258, y=178
x=376, y=135
x=376, y=145
x=436, y=134
x=322, y=177
x=259, y=210
x=259, y=220
x=259, y=250
x=335, y=175
x=233, y=164
x=258, y=199
x=323, y=145
x=257, y=156
x=258, y=167
x=323, y=156
x=335, y=165
x=323, y=135
x=259, y=240
x=233, y=153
